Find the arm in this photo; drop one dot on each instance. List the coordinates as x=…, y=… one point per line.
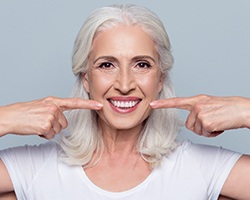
x=238, y=181
x=210, y=116
x=8, y=196
x=42, y=117
x=224, y=198
x=6, y=184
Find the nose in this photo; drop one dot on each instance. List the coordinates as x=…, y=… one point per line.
x=125, y=81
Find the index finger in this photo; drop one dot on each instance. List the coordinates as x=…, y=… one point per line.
x=185, y=103
x=76, y=103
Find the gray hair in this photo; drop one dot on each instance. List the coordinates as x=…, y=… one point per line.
x=158, y=137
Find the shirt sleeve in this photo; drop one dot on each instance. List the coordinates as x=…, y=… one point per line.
x=24, y=162
x=215, y=164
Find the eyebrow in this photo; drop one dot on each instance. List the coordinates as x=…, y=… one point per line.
x=143, y=57
x=114, y=59
x=109, y=58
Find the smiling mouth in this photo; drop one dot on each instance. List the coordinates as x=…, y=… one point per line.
x=124, y=104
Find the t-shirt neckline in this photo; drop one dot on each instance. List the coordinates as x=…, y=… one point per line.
x=99, y=190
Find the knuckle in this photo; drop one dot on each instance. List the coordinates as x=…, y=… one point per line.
x=208, y=126
x=53, y=108
x=65, y=124
x=49, y=104
x=188, y=126
x=46, y=128
x=50, y=118
x=198, y=107
x=50, y=136
x=203, y=120
x=57, y=129
x=203, y=97
x=49, y=99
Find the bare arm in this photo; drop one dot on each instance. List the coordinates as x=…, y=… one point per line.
x=210, y=116
x=42, y=117
x=5, y=184
x=8, y=196
x=238, y=181
x=224, y=198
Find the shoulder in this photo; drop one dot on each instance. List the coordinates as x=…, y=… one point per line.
x=202, y=150
x=203, y=157
x=36, y=154
x=206, y=166
x=42, y=148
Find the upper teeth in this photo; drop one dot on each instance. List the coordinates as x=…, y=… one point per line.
x=124, y=104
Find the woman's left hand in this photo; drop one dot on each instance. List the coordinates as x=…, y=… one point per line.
x=209, y=115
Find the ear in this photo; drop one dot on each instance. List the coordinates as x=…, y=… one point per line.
x=161, y=82
x=85, y=81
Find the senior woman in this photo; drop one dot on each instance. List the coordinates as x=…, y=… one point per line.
x=121, y=141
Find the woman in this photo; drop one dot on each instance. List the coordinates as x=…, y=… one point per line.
x=121, y=142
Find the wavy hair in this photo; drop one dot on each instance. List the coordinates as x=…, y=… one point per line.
x=158, y=138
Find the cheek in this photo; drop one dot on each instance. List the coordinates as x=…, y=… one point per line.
x=150, y=85
x=98, y=86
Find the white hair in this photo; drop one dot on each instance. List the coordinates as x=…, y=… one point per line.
x=158, y=137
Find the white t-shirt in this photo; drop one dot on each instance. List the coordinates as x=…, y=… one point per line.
x=194, y=172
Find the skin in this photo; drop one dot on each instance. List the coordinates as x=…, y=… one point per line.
x=8, y=196
x=134, y=76
x=124, y=168
x=123, y=66
x=124, y=49
x=207, y=113
x=210, y=116
x=45, y=114
x=47, y=120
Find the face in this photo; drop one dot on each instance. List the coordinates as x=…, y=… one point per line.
x=123, y=75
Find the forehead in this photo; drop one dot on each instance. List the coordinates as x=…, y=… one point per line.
x=123, y=40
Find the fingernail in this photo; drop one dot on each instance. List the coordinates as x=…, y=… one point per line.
x=98, y=105
x=153, y=104
x=206, y=134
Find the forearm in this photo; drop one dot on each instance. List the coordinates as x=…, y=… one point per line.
x=245, y=112
x=220, y=198
x=210, y=115
x=43, y=117
x=8, y=196
x=5, y=125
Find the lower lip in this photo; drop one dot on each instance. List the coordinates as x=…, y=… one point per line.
x=124, y=110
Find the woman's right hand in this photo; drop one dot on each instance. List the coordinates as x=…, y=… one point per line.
x=43, y=117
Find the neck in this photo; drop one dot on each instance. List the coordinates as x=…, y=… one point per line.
x=120, y=141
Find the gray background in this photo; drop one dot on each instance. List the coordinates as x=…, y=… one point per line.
x=210, y=40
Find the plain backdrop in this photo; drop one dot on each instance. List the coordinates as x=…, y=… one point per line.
x=210, y=41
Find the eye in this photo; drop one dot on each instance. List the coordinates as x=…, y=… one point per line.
x=105, y=65
x=143, y=65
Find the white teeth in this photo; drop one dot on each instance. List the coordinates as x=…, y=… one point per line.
x=124, y=104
